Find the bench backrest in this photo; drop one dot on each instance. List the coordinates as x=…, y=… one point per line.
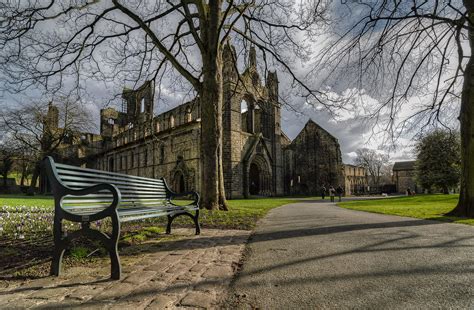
x=136, y=192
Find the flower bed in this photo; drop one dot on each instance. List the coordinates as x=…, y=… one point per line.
x=22, y=222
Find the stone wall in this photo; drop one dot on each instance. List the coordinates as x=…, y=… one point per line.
x=135, y=142
x=355, y=180
x=169, y=155
x=404, y=180
x=312, y=160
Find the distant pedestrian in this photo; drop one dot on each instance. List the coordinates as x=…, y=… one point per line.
x=323, y=192
x=332, y=193
x=339, y=192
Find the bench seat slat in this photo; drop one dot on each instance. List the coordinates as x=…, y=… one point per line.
x=85, y=211
x=101, y=172
x=122, y=192
x=110, y=196
x=125, y=178
x=109, y=200
x=128, y=211
x=122, y=188
x=142, y=216
x=150, y=215
x=97, y=179
x=120, y=209
x=85, y=183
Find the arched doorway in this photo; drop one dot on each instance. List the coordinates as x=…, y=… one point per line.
x=259, y=177
x=179, y=185
x=111, y=164
x=254, y=179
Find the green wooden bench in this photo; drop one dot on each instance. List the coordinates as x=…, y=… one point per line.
x=86, y=195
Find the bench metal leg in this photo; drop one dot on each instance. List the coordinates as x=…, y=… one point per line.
x=194, y=217
x=110, y=243
x=59, y=247
x=168, y=226
x=57, y=262
x=196, y=223
x=115, y=268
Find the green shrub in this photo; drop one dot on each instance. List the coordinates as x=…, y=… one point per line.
x=79, y=252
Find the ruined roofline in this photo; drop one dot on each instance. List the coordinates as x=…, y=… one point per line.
x=162, y=113
x=126, y=90
x=194, y=103
x=404, y=165
x=352, y=165
x=285, y=136
x=310, y=121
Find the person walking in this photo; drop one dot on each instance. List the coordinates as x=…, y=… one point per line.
x=323, y=192
x=339, y=192
x=332, y=193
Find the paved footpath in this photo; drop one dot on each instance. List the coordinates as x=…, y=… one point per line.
x=187, y=272
x=319, y=256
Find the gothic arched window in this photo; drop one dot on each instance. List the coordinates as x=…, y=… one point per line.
x=142, y=105
x=162, y=154
x=171, y=121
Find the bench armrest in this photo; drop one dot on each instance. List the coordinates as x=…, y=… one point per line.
x=60, y=190
x=100, y=214
x=170, y=195
x=93, y=190
x=191, y=193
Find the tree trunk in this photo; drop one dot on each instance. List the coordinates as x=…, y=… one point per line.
x=222, y=200
x=465, y=206
x=34, y=179
x=211, y=98
x=212, y=178
x=23, y=174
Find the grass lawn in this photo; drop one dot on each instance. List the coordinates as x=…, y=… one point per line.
x=432, y=207
x=29, y=201
x=242, y=214
x=36, y=243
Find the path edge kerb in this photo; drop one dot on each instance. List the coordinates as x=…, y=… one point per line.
x=434, y=221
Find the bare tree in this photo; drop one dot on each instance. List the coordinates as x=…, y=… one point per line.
x=374, y=163
x=139, y=40
x=40, y=129
x=23, y=164
x=7, y=156
x=415, y=58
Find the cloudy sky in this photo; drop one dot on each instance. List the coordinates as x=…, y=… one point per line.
x=350, y=126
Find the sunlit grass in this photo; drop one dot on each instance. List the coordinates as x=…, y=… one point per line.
x=432, y=207
x=242, y=214
x=24, y=200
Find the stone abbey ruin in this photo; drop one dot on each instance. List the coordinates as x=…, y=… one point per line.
x=258, y=157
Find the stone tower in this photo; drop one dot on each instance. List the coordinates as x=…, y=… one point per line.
x=251, y=130
x=231, y=120
x=138, y=104
x=52, y=117
x=137, y=111
x=275, y=121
